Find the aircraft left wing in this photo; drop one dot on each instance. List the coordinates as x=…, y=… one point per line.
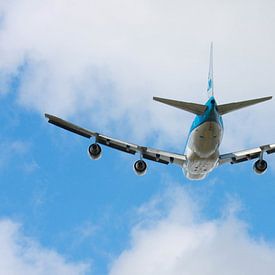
x=245, y=155
x=131, y=148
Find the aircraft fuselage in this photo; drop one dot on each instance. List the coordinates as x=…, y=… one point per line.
x=202, y=148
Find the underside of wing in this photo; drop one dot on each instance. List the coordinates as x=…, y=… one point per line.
x=69, y=126
x=245, y=155
x=194, y=108
x=145, y=152
x=131, y=148
x=230, y=107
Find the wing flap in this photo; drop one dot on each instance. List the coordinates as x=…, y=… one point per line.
x=163, y=156
x=245, y=155
x=271, y=151
x=127, y=148
x=155, y=158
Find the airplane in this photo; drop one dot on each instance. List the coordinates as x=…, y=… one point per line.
x=201, y=154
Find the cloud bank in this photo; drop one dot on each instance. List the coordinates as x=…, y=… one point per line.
x=102, y=61
x=22, y=255
x=175, y=240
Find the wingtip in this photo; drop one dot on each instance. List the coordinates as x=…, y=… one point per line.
x=157, y=98
x=47, y=115
x=267, y=98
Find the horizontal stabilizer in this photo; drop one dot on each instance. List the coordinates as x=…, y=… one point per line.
x=194, y=108
x=230, y=107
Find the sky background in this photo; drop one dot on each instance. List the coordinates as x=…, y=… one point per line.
x=98, y=64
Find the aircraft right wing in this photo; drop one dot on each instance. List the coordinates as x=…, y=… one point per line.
x=245, y=155
x=131, y=148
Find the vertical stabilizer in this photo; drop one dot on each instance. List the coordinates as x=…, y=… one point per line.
x=210, y=87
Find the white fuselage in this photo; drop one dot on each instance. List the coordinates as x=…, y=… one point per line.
x=202, y=150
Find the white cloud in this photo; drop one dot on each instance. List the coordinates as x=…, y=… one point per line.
x=176, y=241
x=104, y=60
x=22, y=255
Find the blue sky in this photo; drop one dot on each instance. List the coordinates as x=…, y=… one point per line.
x=98, y=64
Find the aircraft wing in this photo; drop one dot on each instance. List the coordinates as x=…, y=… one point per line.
x=146, y=152
x=245, y=155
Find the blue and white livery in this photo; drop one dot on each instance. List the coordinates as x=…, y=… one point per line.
x=201, y=154
x=210, y=87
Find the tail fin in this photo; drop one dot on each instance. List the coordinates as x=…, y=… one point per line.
x=194, y=108
x=230, y=107
x=210, y=86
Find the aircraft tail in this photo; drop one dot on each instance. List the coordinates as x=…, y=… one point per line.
x=210, y=85
x=197, y=109
x=230, y=107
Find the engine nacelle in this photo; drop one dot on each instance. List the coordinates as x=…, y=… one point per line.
x=95, y=151
x=140, y=167
x=260, y=166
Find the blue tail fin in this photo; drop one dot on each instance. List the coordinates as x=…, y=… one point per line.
x=210, y=87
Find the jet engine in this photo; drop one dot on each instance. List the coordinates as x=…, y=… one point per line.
x=260, y=166
x=140, y=167
x=95, y=151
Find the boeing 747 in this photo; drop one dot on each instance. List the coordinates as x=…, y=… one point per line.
x=201, y=154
